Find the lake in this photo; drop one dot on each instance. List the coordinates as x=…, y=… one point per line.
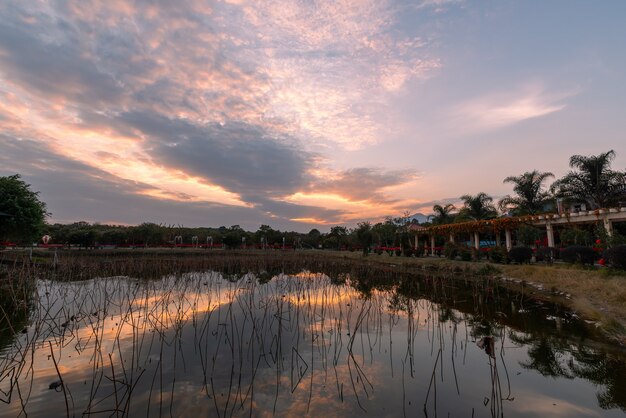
x=213, y=344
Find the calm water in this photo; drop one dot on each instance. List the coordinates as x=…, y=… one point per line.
x=211, y=345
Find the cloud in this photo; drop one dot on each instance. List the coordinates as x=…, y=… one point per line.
x=363, y=183
x=333, y=65
x=53, y=70
x=497, y=110
x=213, y=103
x=439, y=5
x=75, y=191
x=244, y=159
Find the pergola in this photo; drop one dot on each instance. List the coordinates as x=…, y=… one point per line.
x=474, y=228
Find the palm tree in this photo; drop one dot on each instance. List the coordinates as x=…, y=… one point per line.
x=442, y=214
x=592, y=181
x=530, y=197
x=477, y=207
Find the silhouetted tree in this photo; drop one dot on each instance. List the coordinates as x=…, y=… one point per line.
x=443, y=214
x=22, y=213
x=477, y=207
x=530, y=197
x=591, y=181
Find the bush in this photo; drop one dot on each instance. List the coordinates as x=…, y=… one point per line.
x=407, y=251
x=465, y=253
x=450, y=250
x=527, y=234
x=576, y=236
x=475, y=254
x=399, y=252
x=547, y=254
x=579, y=254
x=616, y=257
x=488, y=270
x=521, y=254
x=499, y=255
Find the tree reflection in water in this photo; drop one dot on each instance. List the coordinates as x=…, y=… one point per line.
x=342, y=344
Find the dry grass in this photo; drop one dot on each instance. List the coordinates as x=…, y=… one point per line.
x=597, y=295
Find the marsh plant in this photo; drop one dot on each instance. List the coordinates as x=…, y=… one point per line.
x=266, y=338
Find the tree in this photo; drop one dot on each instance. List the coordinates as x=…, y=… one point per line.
x=477, y=207
x=24, y=215
x=591, y=181
x=365, y=236
x=338, y=233
x=386, y=232
x=150, y=233
x=530, y=197
x=443, y=214
x=268, y=235
x=312, y=239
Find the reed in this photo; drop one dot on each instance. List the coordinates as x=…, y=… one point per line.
x=255, y=332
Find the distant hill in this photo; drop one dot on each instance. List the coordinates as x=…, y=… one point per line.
x=419, y=217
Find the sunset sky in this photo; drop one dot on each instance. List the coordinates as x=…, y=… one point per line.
x=300, y=114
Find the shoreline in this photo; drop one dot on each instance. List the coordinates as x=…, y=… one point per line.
x=597, y=296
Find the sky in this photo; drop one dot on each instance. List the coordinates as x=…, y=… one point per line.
x=300, y=114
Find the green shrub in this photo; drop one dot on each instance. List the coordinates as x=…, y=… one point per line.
x=547, y=254
x=399, y=252
x=576, y=236
x=616, y=257
x=450, y=250
x=488, y=270
x=465, y=253
x=521, y=254
x=499, y=255
x=527, y=234
x=476, y=255
x=407, y=251
x=579, y=254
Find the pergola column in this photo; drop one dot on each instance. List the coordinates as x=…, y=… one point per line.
x=416, y=242
x=498, y=243
x=432, y=245
x=476, y=240
x=507, y=236
x=608, y=227
x=452, y=237
x=550, y=234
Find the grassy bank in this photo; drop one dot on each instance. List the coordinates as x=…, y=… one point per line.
x=596, y=295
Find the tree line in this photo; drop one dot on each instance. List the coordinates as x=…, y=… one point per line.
x=591, y=181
